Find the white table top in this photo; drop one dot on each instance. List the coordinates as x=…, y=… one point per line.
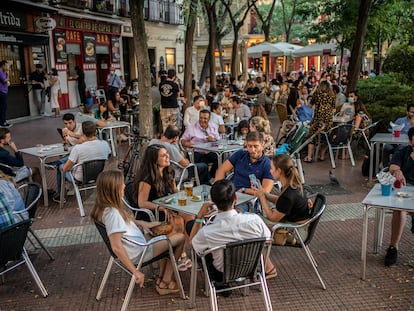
x=46, y=150
x=114, y=124
x=388, y=138
x=375, y=198
x=219, y=147
x=193, y=207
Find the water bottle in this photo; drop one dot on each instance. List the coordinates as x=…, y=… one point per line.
x=204, y=193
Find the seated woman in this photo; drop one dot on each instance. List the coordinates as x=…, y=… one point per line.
x=258, y=124
x=242, y=129
x=292, y=203
x=119, y=222
x=102, y=113
x=156, y=180
x=117, y=103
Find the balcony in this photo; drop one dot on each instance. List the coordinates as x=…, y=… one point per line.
x=163, y=11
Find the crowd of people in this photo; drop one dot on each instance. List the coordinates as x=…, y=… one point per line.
x=254, y=168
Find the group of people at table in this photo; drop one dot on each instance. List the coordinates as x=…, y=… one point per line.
x=156, y=178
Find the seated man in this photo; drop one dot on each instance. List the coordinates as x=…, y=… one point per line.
x=202, y=132
x=15, y=160
x=402, y=167
x=252, y=90
x=91, y=149
x=72, y=132
x=228, y=226
x=216, y=117
x=239, y=109
x=191, y=113
x=408, y=122
x=247, y=162
x=169, y=141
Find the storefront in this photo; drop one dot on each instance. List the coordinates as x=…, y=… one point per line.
x=92, y=44
x=23, y=48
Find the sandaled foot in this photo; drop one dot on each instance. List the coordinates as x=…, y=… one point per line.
x=307, y=159
x=271, y=274
x=184, y=263
x=165, y=289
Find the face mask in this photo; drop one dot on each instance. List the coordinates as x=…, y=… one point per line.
x=351, y=100
x=202, y=105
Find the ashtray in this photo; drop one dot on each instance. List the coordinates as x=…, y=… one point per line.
x=403, y=194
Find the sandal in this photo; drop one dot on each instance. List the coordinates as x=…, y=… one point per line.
x=184, y=263
x=166, y=290
x=271, y=274
x=307, y=159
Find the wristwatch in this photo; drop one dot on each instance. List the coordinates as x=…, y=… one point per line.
x=243, y=190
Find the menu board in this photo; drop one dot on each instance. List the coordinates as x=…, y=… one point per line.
x=116, y=55
x=89, y=50
x=60, y=45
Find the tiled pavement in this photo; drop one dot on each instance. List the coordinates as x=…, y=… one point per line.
x=73, y=278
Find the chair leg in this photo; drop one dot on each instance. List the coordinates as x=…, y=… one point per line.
x=176, y=272
x=41, y=244
x=34, y=274
x=128, y=294
x=79, y=199
x=62, y=189
x=193, y=280
x=105, y=278
x=351, y=155
x=265, y=292
x=331, y=155
x=213, y=298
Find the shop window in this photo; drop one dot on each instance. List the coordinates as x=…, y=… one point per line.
x=11, y=53
x=74, y=53
x=170, y=58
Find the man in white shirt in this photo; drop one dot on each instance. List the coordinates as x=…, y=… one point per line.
x=226, y=101
x=91, y=149
x=228, y=226
x=216, y=119
x=191, y=113
x=72, y=131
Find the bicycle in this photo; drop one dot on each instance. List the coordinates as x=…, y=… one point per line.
x=131, y=161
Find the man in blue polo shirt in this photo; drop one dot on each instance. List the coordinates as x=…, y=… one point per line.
x=246, y=162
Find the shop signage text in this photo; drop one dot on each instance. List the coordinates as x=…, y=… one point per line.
x=10, y=19
x=45, y=24
x=84, y=25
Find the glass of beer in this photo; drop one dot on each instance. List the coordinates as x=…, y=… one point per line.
x=182, y=198
x=188, y=188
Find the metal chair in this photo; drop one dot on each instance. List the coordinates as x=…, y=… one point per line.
x=318, y=208
x=90, y=171
x=100, y=96
x=338, y=138
x=183, y=171
x=140, y=213
x=114, y=259
x=366, y=133
x=13, y=253
x=244, y=266
x=19, y=174
x=31, y=193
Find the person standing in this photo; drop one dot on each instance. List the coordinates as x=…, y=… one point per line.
x=80, y=77
x=169, y=95
x=114, y=83
x=54, y=91
x=38, y=78
x=4, y=89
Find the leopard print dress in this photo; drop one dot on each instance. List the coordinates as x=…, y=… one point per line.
x=324, y=105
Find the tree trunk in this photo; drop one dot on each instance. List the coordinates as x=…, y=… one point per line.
x=143, y=64
x=357, y=48
x=188, y=53
x=212, y=26
x=205, y=70
x=234, y=52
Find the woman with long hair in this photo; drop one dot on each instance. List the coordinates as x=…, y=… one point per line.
x=119, y=222
x=323, y=101
x=54, y=91
x=292, y=203
x=259, y=111
x=155, y=180
x=259, y=124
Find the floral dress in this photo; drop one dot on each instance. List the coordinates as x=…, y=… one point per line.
x=324, y=107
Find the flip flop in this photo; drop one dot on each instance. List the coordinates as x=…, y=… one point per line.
x=307, y=159
x=166, y=290
x=271, y=274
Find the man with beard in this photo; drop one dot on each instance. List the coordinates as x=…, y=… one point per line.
x=247, y=162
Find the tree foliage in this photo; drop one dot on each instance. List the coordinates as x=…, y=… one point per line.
x=401, y=60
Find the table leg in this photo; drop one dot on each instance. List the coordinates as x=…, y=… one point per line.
x=193, y=280
x=364, y=241
x=379, y=229
x=44, y=183
x=111, y=137
x=371, y=162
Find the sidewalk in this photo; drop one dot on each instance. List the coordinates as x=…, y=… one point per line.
x=74, y=277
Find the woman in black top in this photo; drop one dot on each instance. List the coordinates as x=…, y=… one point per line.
x=292, y=203
x=80, y=77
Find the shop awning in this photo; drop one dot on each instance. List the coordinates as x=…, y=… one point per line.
x=264, y=48
x=24, y=38
x=318, y=49
x=21, y=4
x=287, y=48
x=109, y=19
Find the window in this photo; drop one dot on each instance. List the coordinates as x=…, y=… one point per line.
x=170, y=58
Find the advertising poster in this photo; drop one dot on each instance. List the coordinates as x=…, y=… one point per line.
x=116, y=55
x=60, y=45
x=89, y=51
